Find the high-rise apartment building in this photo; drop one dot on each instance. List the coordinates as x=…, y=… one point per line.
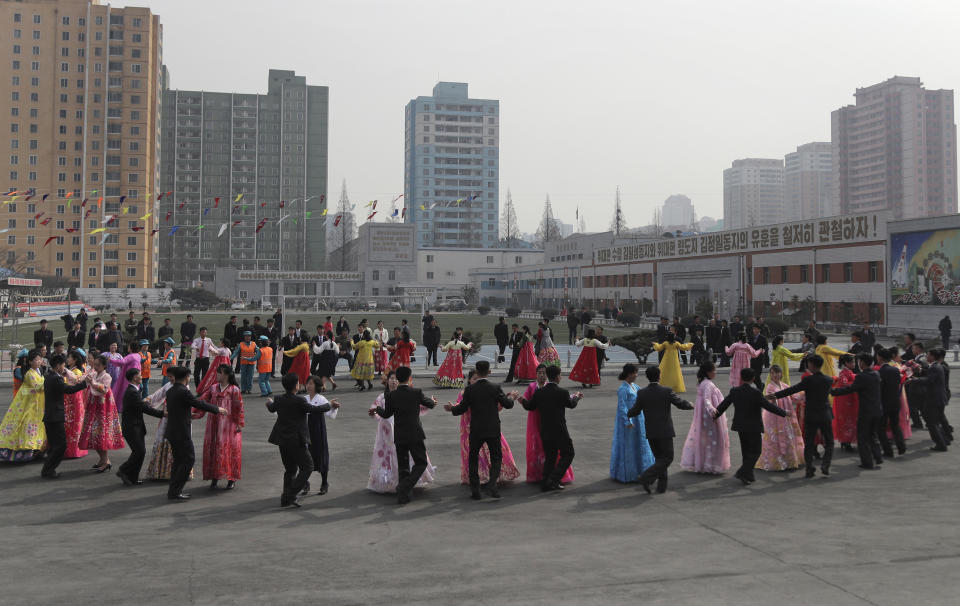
x=896, y=149
x=753, y=193
x=82, y=84
x=452, y=168
x=256, y=164
x=808, y=181
x=677, y=211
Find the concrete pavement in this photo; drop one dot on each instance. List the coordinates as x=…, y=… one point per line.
x=882, y=537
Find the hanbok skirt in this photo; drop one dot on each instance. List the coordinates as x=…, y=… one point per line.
x=707, y=448
x=450, y=373
x=22, y=433
x=101, y=424
x=549, y=356
x=327, y=366
x=508, y=469
x=535, y=456
x=384, y=474
x=782, y=441
x=73, y=412
x=210, y=378
x=845, y=410
x=527, y=363
x=161, y=459
x=586, y=371
x=319, y=448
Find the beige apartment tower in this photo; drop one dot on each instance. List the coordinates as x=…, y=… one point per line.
x=896, y=148
x=82, y=82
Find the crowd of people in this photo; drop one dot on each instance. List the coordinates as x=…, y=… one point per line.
x=70, y=401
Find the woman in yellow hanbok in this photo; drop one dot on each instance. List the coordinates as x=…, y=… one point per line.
x=363, y=365
x=670, y=374
x=22, y=434
x=829, y=355
x=779, y=357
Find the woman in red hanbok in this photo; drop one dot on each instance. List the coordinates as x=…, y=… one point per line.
x=222, y=441
x=845, y=408
x=527, y=363
x=585, y=371
x=73, y=406
x=402, y=351
x=301, y=362
x=508, y=468
x=101, y=423
x=450, y=373
x=221, y=356
x=380, y=356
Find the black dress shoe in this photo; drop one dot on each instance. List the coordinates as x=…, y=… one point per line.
x=403, y=499
x=179, y=497
x=123, y=478
x=825, y=471
x=810, y=473
x=492, y=490
x=296, y=503
x=646, y=486
x=305, y=490
x=231, y=485
x=323, y=489
x=53, y=475
x=475, y=495
x=939, y=448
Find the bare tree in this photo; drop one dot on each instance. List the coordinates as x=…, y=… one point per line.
x=619, y=224
x=509, y=230
x=549, y=229
x=656, y=228
x=581, y=221
x=344, y=226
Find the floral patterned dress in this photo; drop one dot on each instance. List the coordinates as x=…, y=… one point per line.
x=363, y=364
x=450, y=373
x=384, y=474
x=401, y=355
x=782, y=436
x=101, y=422
x=845, y=409
x=508, y=469
x=549, y=356
x=222, y=441
x=73, y=410
x=707, y=449
x=740, y=355
x=161, y=459
x=22, y=434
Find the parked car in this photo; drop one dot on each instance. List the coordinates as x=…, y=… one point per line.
x=371, y=304
x=395, y=306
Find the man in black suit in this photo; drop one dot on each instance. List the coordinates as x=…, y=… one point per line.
x=82, y=319
x=54, y=389
x=759, y=342
x=553, y=401
x=180, y=403
x=654, y=401
x=856, y=344
x=75, y=338
x=712, y=339
x=231, y=332
x=96, y=340
x=867, y=386
x=431, y=340
x=748, y=405
x=43, y=336
x=404, y=405
x=933, y=383
x=483, y=399
x=890, y=399
x=516, y=342
x=501, y=334
x=291, y=434
x=286, y=344
x=818, y=415
x=134, y=429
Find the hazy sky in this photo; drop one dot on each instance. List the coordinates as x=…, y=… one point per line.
x=657, y=98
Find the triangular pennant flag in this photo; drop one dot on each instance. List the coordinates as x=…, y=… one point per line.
x=69, y=193
x=37, y=216
x=324, y=213
x=199, y=227
x=216, y=202
x=370, y=216
x=422, y=207
x=145, y=217
x=122, y=198
x=169, y=213
x=309, y=213
x=239, y=197
x=46, y=221
x=125, y=210
x=282, y=203
x=181, y=205
x=44, y=198
x=262, y=204
x=160, y=196
x=371, y=203
x=136, y=228
x=403, y=212
x=97, y=230
x=99, y=202
x=173, y=230
x=396, y=212
x=205, y=211
x=223, y=228
x=70, y=230
x=49, y=240
x=336, y=221
x=84, y=203
x=235, y=223
x=169, y=193
x=87, y=214
x=154, y=232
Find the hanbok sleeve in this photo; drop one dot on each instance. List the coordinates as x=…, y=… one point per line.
x=753, y=352
x=33, y=381
x=730, y=349
x=625, y=399
x=686, y=346
x=236, y=407
x=796, y=357
x=659, y=346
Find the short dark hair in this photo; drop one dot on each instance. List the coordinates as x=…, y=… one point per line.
x=858, y=335
x=202, y=328
x=58, y=343
x=483, y=368
x=43, y=321
x=653, y=374
x=553, y=372
x=57, y=359
x=628, y=369
x=290, y=381
x=845, y=358
x=130, y=374
x=866, y=358
x=816, y=361
x=178, y=372
x=884, y=354
x=912, y=336
x=403, y=374
x=821, y=339
x=746, y=374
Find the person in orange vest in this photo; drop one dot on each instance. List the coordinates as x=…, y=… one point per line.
x=168, y=360
x=265, y=366
x=248, y=353
x=145, y=361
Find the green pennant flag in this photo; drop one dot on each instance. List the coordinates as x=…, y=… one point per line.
x=309, y=212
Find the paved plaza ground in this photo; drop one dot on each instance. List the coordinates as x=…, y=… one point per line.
x=879, y=537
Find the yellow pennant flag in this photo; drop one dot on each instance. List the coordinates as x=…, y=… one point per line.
x=324, y=213
x=239, y=196
x=145, y=217
x=97, y=230
x=126, y=209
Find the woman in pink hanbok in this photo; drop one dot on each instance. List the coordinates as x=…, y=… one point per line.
x=508, y=469
x=782, y=436
x=131, y=360
x=222, y=440
x=384, y=474
x=740, y=354
x=535, y=454
x=707, y=449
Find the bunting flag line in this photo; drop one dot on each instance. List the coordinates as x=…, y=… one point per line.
x=223, y=228
x=336, y=221
x=145, y=217
x=281, y=219
x=49, y=240
x=169, y=214
x=154, y=232
x=97, y=230
x=370, y=216
x=216, y=202
x=173, y=230
x=239, y=197
x=397, y=198
x=46, y=221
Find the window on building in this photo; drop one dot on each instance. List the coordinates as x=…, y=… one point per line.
x=429, y=275
x=375, y=275
x=848, y=272
x=873, y=270
x=429, y=258
x=784, y=275
x=825, y=277
x=489, y=259
x=765, y=279
x=804, y=273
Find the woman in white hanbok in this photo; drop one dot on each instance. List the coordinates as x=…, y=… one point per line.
x=383, y=465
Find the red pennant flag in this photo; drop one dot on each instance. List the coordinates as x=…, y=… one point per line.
x=136, y=228
x=235, y=223
x=70, y=230
x=49, y=240
x=322, y=198
x=84, y=203
x=35, y=217
x=87, y=214
x=262, y=204
x=27, y=199
x=337, y=220
x=370, y=216
x=46, y=221
x=160, y=196
x=111, y=219
x=216, y=202
x=169, y=213
x=403, y=212
x=169, y=193
x=154, y=232
x=282, y=203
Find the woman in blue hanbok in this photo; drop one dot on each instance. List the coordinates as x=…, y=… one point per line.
x=630, y=454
